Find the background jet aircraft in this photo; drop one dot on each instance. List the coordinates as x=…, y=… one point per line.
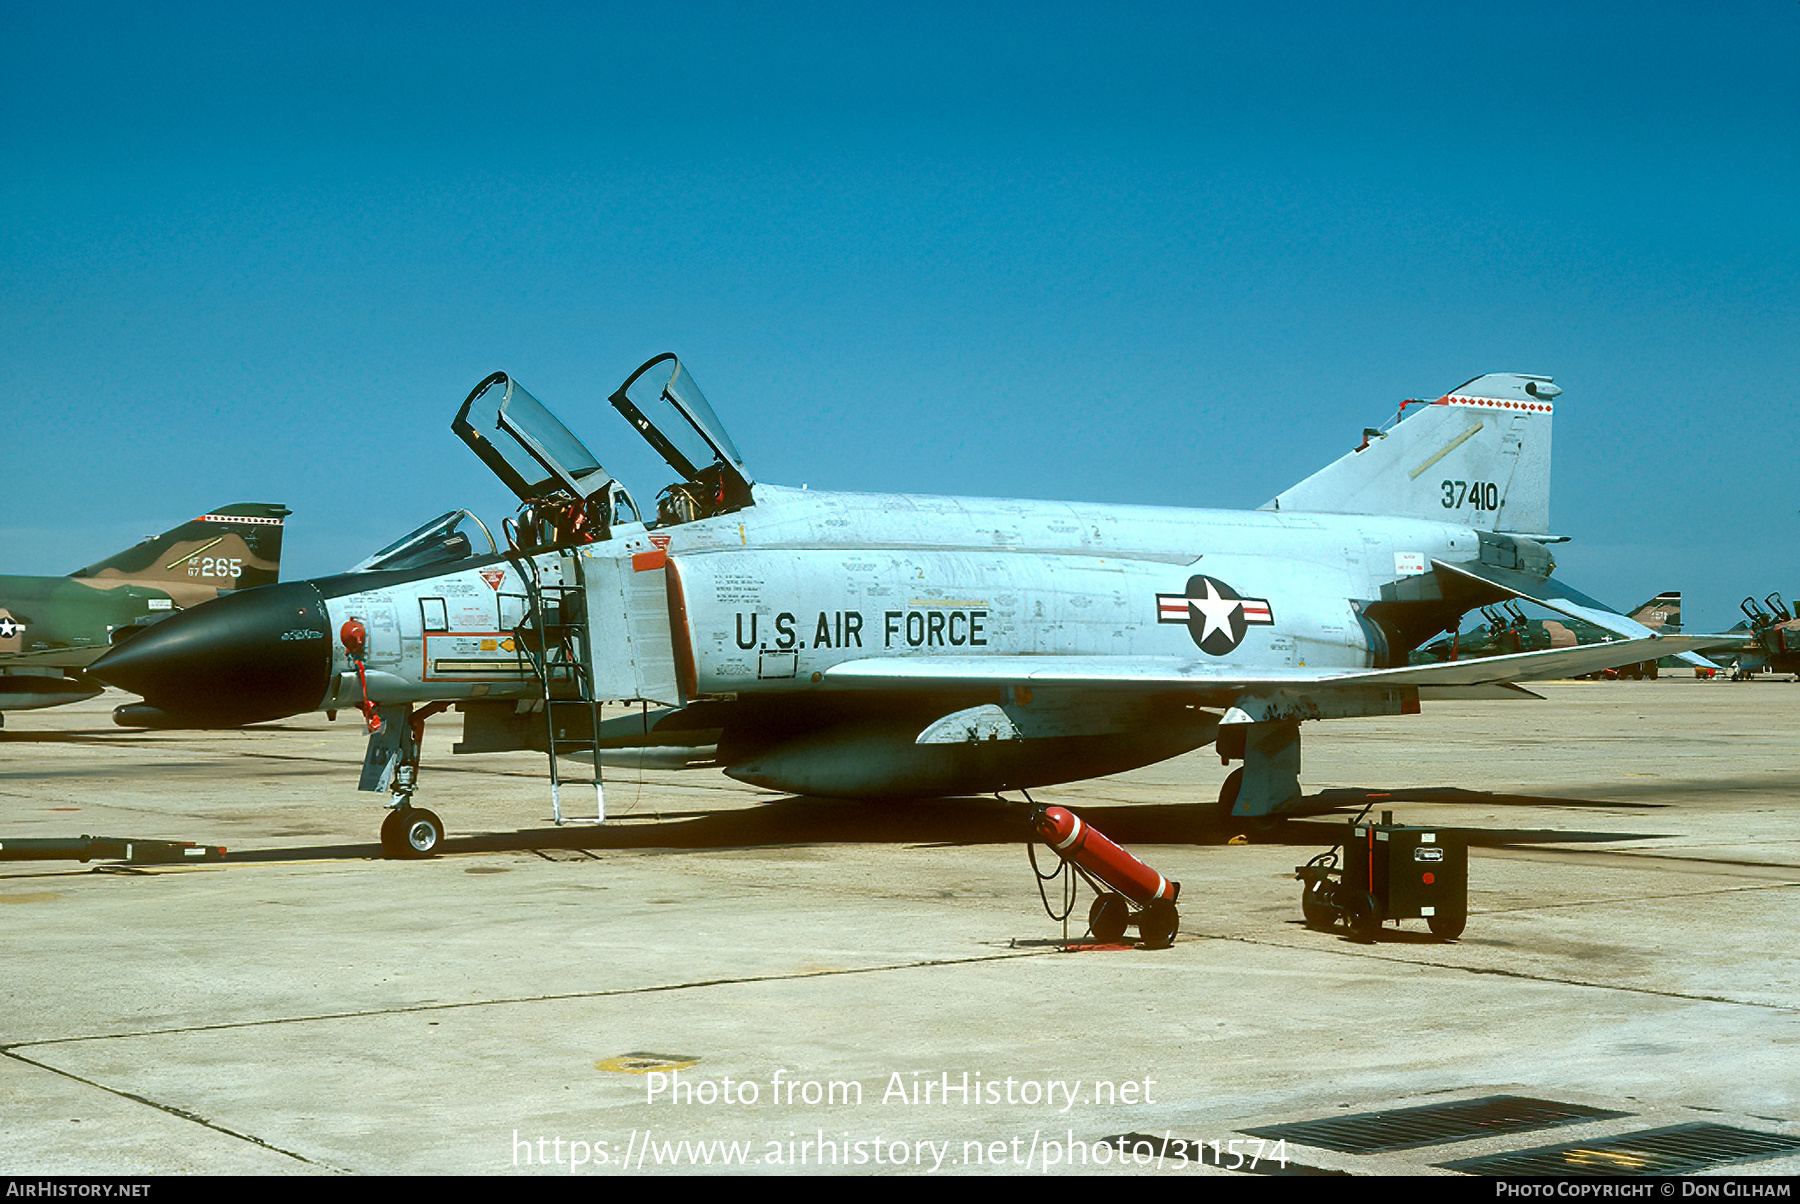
x=1508, y=630
x=882, y=645
x=51, y=628
x=1773, y=642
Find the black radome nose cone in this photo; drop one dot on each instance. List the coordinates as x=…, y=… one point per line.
x=244, y=658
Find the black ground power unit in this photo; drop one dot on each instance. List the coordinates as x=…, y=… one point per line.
x=1389, y=871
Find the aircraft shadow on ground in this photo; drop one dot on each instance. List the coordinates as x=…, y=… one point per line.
x=92, y=735
x=122, y=737
x=796, y=821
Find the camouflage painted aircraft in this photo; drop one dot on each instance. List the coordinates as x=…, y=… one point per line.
x=1508, y=630
x=886, y=645
x=52, y=628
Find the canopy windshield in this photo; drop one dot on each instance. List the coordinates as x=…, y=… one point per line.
x=665, y=405
x=524, y=443
x=437, y=542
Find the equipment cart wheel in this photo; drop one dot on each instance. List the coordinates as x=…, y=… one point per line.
x=1315, y=907
x=1361, y=916
x=1158, y=923
x=1107, y=918
x=1447, y=926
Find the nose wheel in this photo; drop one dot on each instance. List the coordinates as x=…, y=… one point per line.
x=410, y=833
x=391, y=762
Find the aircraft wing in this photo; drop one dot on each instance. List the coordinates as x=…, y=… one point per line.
x=1224, y=682
x=55, y=658
x=1552, y=594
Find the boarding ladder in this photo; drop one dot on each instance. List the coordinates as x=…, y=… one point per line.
x=553, y=636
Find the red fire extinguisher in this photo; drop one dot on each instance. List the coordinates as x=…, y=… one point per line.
x=1105, y=864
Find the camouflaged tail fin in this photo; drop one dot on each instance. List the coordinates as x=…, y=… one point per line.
x=1661, y=613
x=233, y=547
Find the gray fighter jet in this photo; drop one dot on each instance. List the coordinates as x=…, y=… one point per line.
x=887, y=645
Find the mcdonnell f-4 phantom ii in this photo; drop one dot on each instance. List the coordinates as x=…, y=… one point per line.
x=887, y=646
x=52, y=628
x=1774, y=639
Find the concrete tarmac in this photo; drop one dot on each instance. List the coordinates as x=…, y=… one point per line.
x=725, y=978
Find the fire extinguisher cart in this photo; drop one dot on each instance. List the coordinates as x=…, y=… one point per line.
x=1127, y=892
x=1389, y=871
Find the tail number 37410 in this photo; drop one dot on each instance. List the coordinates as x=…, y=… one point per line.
x=1482, y=495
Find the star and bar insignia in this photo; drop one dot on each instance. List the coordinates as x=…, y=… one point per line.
x=1216, y=615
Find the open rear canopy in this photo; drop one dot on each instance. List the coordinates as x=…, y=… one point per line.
x=667, y=408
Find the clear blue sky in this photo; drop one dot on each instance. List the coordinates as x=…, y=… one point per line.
x=1176, y=254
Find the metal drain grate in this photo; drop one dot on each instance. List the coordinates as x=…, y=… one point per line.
x=1679, y=1150
x=1433, y=1124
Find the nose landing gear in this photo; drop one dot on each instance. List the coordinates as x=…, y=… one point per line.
x=392, y=763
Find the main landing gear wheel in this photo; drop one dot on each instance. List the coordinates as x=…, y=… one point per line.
x=411, y=833
x=1228, y=797
x=1157, y=924
x=1228, y=793
x=1107, y=918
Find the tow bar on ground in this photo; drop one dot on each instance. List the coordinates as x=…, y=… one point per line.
x=1119, y=880
x=108, y=848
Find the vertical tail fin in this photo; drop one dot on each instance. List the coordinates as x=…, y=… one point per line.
x=1661, y=614
x=1479, y=455
x=233, y=547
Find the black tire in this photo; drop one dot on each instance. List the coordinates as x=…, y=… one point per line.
x=1316, y=907
x=1158, y=923
x=393, y=845
x=421, y=832
x=1360, y=916
x=1108, y=917
x=1228, y=792
x=1447, y=926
